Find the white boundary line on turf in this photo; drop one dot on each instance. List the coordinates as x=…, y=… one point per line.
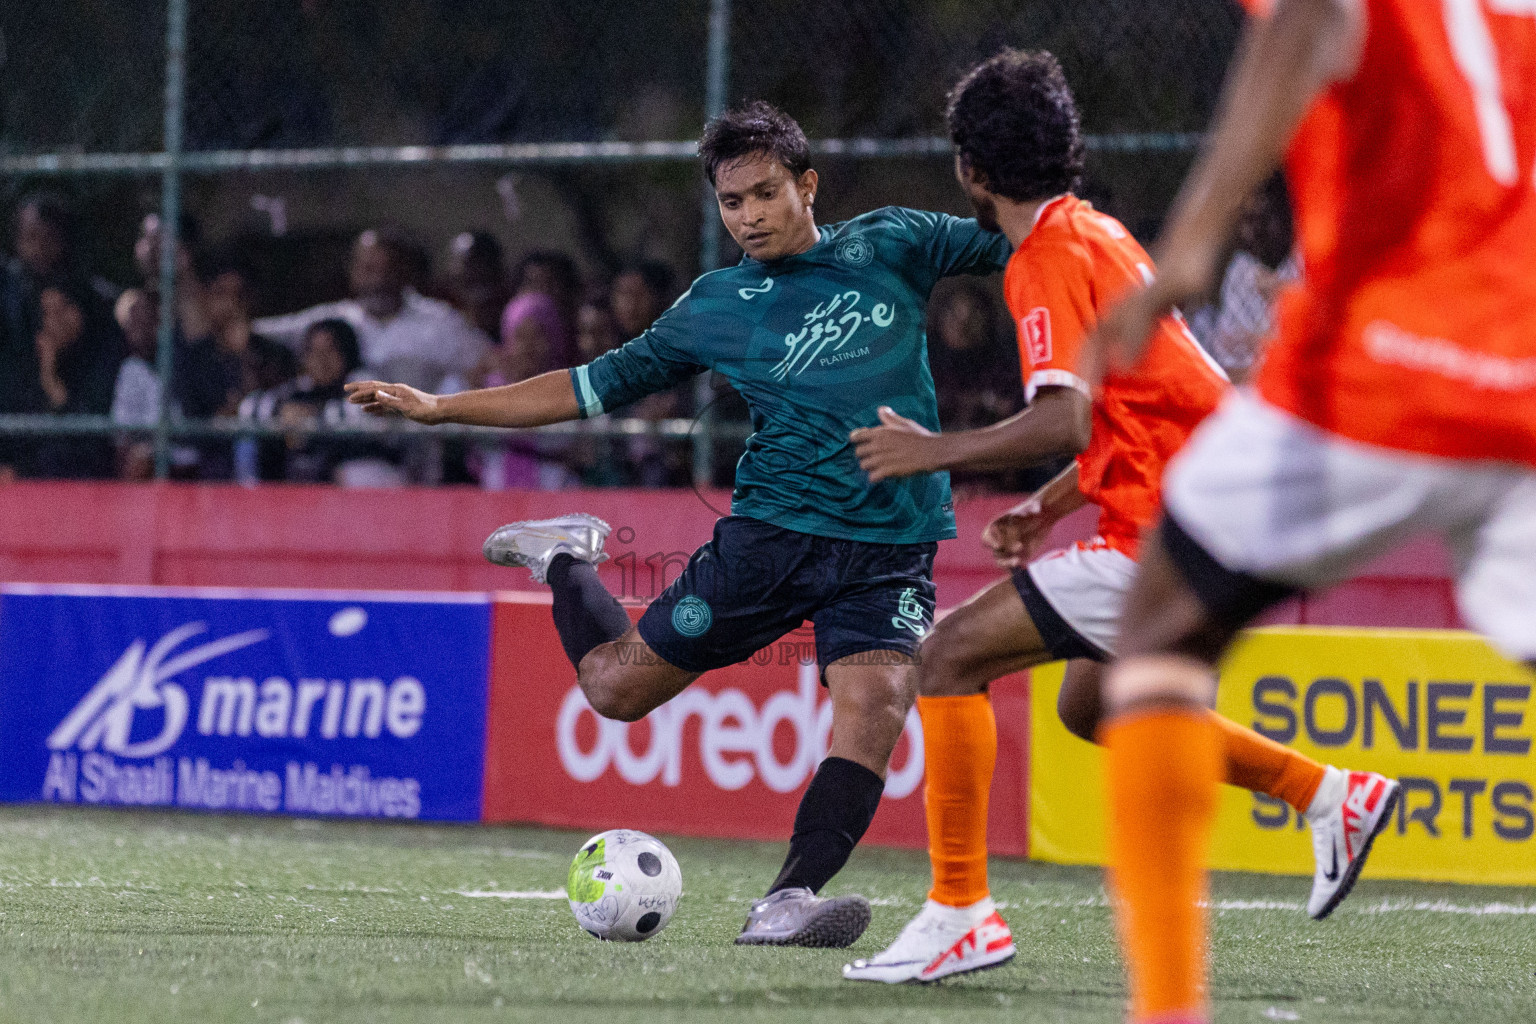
x=513, y=894
x=1400, y=906
x=1445, y=907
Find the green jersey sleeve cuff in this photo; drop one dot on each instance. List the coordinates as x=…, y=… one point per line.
x=586, y=396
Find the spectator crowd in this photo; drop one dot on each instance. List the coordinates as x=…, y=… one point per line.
x=72, y=342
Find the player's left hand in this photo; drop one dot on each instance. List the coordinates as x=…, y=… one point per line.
x=1018, y=534
x=898, y=447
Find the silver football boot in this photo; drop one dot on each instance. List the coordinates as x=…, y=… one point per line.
x=535, y=542
x=796, y=917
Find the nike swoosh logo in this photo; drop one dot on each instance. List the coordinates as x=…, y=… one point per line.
x=1332, y=874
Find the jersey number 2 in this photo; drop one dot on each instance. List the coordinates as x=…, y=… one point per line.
x=1472, y=48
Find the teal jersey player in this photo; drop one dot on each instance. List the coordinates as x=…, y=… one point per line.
x=821, y=331
x=816, y=343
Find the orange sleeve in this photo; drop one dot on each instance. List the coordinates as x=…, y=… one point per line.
x=1051, y=299
x=1258, y=8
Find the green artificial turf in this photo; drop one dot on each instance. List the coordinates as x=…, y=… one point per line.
x=126, y=917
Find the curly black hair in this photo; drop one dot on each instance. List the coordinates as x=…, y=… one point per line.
x=1013, y=120
x=757, y=127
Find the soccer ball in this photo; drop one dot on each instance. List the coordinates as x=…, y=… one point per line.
x=623, y=885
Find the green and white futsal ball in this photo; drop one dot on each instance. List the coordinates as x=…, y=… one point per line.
x=624, y=885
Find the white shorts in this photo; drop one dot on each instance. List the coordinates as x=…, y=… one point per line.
x=1270, y=497
x=1075, y=597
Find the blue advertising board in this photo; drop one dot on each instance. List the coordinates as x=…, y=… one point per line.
x=351, y=705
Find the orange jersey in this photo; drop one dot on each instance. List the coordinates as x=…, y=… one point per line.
x=1415, y=325
x=1069, y=270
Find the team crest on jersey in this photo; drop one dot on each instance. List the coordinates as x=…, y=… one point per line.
x=1035, y=329
x=855, y=251
x=692, y=617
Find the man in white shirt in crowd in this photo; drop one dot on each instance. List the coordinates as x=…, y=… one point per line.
x=404, y=335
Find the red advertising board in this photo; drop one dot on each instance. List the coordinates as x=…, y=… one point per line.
x=729, y=757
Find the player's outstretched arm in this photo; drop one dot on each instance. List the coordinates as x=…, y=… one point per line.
x=548, y=398
x=1058, y=422
x=1285, y=61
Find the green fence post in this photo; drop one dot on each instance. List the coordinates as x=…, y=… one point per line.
x=170, y=220
x=716, y=69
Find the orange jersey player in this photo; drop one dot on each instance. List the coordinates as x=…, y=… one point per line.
x=1399, y=397
x=1018, y=157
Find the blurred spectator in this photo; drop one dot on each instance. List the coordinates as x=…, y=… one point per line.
x=136, y=395
x=530, y=341
x=47, y=247
x=219, y=368
x=1264, y=262
x=146, y=250
x=477, y=280
x=597, y=330
x=45, y=258
x=77, y=355
x=70, y=368
x=404, y=335
x=146, y=259
x=975, y=365
x=330, y=356
x=545, y=272
x=641, y=293
x=596, y=459
x=528, y=329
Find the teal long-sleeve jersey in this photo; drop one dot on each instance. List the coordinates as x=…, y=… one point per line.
x=816, y=343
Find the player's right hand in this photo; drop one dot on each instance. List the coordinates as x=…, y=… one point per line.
x=379, y=398
x=1016, y=535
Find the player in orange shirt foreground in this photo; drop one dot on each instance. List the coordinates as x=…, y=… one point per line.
x=1015, y=129
x=1399, y=397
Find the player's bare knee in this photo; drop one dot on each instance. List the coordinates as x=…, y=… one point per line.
x=877, y=699
x=611, y=695
x=945, y=664
x=1080, y=717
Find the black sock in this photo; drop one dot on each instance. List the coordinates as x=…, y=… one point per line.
x=585, y=613
x=834, y=813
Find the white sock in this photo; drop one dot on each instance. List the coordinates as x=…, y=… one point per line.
x=1330, y=793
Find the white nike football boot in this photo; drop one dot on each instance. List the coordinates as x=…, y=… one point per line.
x=536, y=542
x=938, y=942
x=1349, y=810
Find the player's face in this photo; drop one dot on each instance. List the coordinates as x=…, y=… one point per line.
x=981, y=200
x=767, y=210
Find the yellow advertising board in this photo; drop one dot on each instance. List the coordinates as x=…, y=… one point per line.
x=1437, y=709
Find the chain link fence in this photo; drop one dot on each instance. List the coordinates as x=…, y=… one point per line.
x=545, y=125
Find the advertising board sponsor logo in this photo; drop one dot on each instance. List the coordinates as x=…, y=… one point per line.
x=738, y=740
x=1436, y=709
x=1483, y=720
x=269, y=705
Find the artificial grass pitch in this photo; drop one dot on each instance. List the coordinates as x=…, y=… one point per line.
x=127, y=917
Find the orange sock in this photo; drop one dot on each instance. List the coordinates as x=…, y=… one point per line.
x=959, y=753
x=1162, y=767
x=1264, y=766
